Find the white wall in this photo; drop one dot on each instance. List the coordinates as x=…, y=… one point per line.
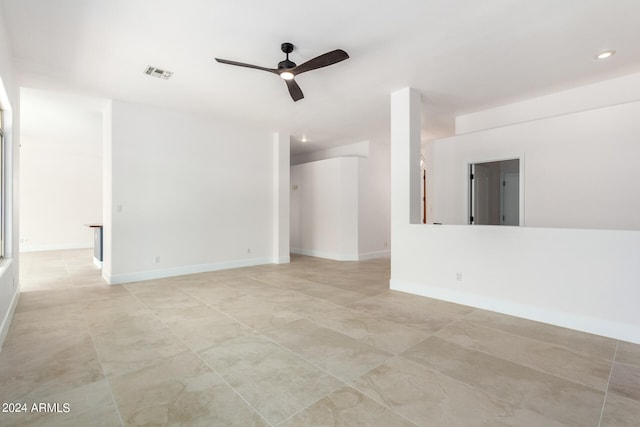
x=358, y=149
x=281, y=209
x=370, y=237
x=597, y=95
x=374, y=209
x=61, y=171
x=324, y=208
x=107, y=189
x=581, y=279
x=9, y=271
x=579, y=169
x=190, y=192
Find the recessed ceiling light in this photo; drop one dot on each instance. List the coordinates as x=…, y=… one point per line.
x=606, y=54
x=304, y=139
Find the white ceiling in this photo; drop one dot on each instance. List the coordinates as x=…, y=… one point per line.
x=463, y=55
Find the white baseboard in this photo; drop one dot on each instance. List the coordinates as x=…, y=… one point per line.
x=603, y=327
x=341, y=257
x=374, y=255
x=281, y=260
x=42, y=248
x=6, y=322
x=181, y=271
x=324, y=254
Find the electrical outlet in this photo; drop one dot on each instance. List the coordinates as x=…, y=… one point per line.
x=459, y=276
x=156, y=260
x=248, y=250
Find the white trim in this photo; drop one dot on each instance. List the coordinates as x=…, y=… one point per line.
x=42, y=248
x=6, y=322
x=374, y=255
x=616, y=330
x=281, y=260
x=490, y=159
x=323, y=254
x=181, y=271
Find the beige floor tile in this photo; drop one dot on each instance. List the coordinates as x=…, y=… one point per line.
x=553, y=359
x=429, y=398
x=214, y=294
x=33, y=371
x=338, y=354
x=202, y=326
x=64, y=299
x=384, y=334
x=87, y=295
x=347, y=407
x=181, y=390
x=576, y=341
x=130, y=350
x=625, y=380
x=368, y=286
x=274, y=381
x=260, y=313
x=426, y=314
x=132, y=320
x=57, y=270
x=556, y=398
x=100, y=309
x=628, y=353
x=167, y=299
x=330, y=293
x=32, y=328
x=248, y=285
x=308, y=306
x=91, y=404
x=620, y=412
x=329, y=323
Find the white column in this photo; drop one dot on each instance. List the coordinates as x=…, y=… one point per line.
x=107, y=192
x=405, y=158
x=281, y=170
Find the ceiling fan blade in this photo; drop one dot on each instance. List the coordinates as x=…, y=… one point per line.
x=294, y=90
x=324, y=60
x=241, y=64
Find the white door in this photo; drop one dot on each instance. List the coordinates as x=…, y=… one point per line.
x=481, y=194
x=510, y=198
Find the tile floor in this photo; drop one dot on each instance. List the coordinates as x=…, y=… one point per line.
x=313, y=343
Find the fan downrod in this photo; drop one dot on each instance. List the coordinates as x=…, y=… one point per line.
x=287, y=48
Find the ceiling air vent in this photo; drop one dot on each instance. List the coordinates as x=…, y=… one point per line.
x=157, y=72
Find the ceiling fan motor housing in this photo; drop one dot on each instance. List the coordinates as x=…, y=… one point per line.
x=286, y=64
x=287, y=48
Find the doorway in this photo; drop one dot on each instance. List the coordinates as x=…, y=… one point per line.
x=494, y=193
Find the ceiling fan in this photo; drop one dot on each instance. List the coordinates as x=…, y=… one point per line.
x=287, y=69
